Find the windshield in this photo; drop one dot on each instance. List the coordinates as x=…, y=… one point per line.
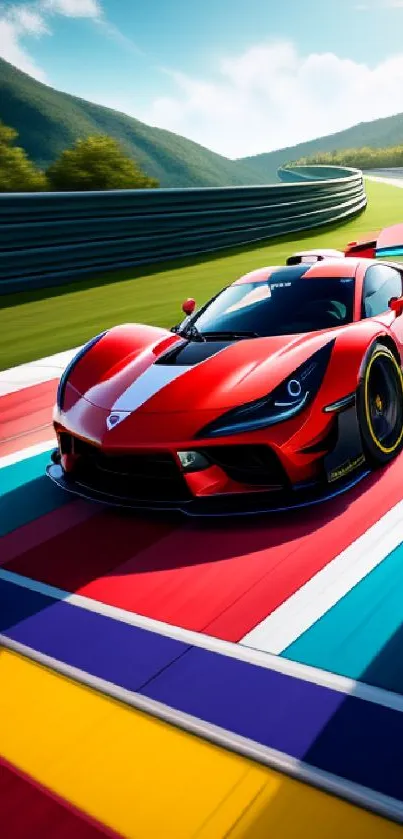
x=279, y=308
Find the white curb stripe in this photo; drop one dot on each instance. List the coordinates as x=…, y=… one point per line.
x=323, y=678
x=24, y=454
x=328, y=586
x=365, y=797
x=35, y=372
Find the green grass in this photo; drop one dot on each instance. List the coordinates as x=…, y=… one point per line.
x=39, y=323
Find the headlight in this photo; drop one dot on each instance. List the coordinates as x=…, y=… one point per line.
x=66, y=373
x=284, y=402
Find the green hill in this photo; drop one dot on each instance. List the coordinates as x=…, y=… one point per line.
x=377, y=134
x=48, y=121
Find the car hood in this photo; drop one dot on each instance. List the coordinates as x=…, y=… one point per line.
x=201, y=375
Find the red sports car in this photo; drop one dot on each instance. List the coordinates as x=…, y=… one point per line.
x=282, y=390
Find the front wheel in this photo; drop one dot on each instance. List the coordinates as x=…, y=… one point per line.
x=380, y=406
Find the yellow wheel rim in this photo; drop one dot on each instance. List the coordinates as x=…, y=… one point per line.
x=379, y=403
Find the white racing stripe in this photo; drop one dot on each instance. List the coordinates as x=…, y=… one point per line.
x=51, y=367
x=325, y=589
x=147, y=385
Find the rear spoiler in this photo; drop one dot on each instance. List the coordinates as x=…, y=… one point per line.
x=387, y=243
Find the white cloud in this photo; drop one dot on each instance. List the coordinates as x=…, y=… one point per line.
x=116, y=35
x=379, y=4
x=270, y=96
x=73, y=8
x=17, y=22
x=27, y=20
x=12, y=51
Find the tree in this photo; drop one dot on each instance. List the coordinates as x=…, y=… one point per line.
x=97, y=163
x=361, y=158
x=17, y=173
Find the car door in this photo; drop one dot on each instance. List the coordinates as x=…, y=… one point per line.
x=381, y=282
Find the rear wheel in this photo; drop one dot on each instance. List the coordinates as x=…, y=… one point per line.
x=380, y=406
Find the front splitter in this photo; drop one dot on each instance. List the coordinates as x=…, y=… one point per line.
x=220, y=505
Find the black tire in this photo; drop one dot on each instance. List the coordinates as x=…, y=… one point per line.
x=380, y=405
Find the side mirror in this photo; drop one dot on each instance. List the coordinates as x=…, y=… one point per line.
x=396, y=305
x=188, y=306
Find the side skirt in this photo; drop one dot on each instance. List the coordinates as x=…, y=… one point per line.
x=347, y=455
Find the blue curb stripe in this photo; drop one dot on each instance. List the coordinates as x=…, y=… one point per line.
x=26, y=493
x=362, y=635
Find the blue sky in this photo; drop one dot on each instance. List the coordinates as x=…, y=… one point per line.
x=239, y=76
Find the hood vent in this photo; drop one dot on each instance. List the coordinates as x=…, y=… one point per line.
x=190, y=353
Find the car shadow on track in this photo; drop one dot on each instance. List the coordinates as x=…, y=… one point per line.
x=122, y=532
x=228, y=537
x=28, y=502
x=221, y=577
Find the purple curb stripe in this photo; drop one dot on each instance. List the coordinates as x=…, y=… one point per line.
x=344, y=735
x=325, y=729
x=114, y=651
x=262, y=705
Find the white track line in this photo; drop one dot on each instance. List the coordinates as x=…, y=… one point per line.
x=24, y=454
x=389, y=181
x=328, y=586
x=341, y=684
x=356, y=793
x=35, y=372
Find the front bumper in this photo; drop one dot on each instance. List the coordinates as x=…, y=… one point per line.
x=239, y=482
x=253, y=503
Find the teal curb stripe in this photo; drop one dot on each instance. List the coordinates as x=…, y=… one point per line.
x=27, y=493
x=361, y=637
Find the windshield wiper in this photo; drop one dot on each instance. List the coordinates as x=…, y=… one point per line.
x=234, y=336
x=191, y=332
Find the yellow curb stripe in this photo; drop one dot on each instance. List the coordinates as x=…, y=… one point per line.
x=144, y=778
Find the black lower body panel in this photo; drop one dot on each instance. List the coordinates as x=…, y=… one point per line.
x=253, y=503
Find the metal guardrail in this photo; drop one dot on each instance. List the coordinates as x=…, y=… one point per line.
x=53, y=238
x=319, y=172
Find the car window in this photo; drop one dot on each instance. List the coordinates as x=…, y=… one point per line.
x=380, y=284
x=280, y=306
